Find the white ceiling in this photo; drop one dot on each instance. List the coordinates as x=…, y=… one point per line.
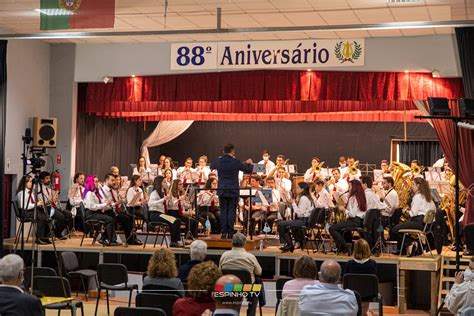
x=18, y=16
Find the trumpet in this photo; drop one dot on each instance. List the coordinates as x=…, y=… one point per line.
x=317, y=168
x=353, y=170
x=416, y=170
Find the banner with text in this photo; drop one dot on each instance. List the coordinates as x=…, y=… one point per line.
x=268, y=54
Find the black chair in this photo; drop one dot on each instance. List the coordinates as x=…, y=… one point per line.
x=159, y=289
x=367, y=285
x=369, y=225
x=279, y=289
x=162, y=300
x=246, y=278
x=359, y=303
x=20, y=217
x=54, y=286
x=90, y=225
x=139, y=311
x=160, y=229
x=71, y=269
x=37, y=271
x=114, y=277
x=314, y=230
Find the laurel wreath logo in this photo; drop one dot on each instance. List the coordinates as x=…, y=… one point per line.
x=347, y=51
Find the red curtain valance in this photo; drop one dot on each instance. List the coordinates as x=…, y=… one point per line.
x=264, y=92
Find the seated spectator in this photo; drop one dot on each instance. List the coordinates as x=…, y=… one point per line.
x=201, y=281
x=162, y=272
x=461, y=295
x=305, y=273
x=239, y=259
x=13, y=300
x=326, y=297
x=226, y=305
x=197, y=252
x=361, y=264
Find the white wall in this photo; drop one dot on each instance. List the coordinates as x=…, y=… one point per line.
x=27, y=95
x=420, y=53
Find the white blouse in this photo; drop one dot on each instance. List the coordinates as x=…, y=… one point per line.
x=304, y=207
x=205, y=198
x=28, y=203
x=131, y=194
x=419, y=205
x=156, y=203
x=373, y=201
x=323, y=199
x=92, y=203
x=352, y=209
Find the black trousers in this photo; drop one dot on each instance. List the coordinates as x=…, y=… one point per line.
x=42, y=226
x=214, y=218
x=286, y=228
x=124, y=220
x=336, y=231
x=190, y=223
x=62, y=219
x=414, y=223
x=228, y=206
x=108, y=220
x=469, y=236
x=174, y=227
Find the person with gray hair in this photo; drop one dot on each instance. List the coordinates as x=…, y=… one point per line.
x=198, y=253
x=13, y=300
x=326, y=297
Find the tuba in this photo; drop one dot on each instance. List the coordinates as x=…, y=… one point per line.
x=402, y=185
x=417, y=170
x=318, y=167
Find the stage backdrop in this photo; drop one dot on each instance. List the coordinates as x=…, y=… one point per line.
x=105, y=142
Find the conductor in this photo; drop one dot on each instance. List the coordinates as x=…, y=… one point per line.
x=228, y=168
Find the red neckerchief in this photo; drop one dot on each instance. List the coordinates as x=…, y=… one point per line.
x=180, y=208
x=98, y=195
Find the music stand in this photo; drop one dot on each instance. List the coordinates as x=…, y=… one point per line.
x=248, y=193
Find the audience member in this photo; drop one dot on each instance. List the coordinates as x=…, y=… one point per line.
x=461, y=294
x=201, y=281
x=197, y=252
x=361, y=264
x=326, y=297
x=304, y=273
x=13, y=300
x=162, y=272
x=226, y=305
x=239, y=259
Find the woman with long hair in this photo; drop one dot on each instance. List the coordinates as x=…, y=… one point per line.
x=355, y=212
x=176, y=206
x=142, y=170
x=208, y=203
x=302, y=207
x=95, y=203
x=421, y=203
x=136, y=197
x=156, y=208
x=167, y=180
x=168, y=164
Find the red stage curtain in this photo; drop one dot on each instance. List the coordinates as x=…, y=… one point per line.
x=445, y=131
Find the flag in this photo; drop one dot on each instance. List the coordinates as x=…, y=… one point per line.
x=77, y=14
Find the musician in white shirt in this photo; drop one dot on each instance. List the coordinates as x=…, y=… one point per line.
x=302, y=208
x=337, y=186
x=176, y=206
x=282, y=183
x=321, y=197
x=142, y=170
x=187, y=174
x=95, y=203
x=422, y=202
x=257, y=213
x=25, y=199
x=168, y=164
x=390, y=199
x=279, y=162
x=311, y=174
x=76, y=190
x=273, y=207
x=267, y=162
x=156, y=208
x=373, y=201
x=208, y=203
x=136, y=198
x=355, y=213
x=342, y=165
x=202, y=171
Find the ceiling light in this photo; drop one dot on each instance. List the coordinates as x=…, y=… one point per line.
x=133, y=76
x=407, y=71
x=107, y=79
x=435, y=73
x=55, y=12
x=309, y=70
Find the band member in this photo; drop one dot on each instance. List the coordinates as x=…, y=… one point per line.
x=94, y=203
x=373, y=201
x=25, y=198
x=228, y=168
x=115, y=170
x=440, y=162
x=168, y=164
x=167, y=180
x=62, y=218
x=351, y=165
x=136, y=197
x=117, y=211
x=338, y=186
x=176, y=206
x=267, y=162
x=75, y=198
x=208, y=203
x=313, y=172
x=202, y=171
x=342, y=165
x=282, y=183
x=161, y=164
x=416, y=169
x=142, y=170
x=302, y=208
x=257, y=214
x=390, y=199
x=355, y=213
x=420, y=204
x=186, y=174
x=274, y=207
x=384, y=166
x=156, y=208
x=321, y=197
x=280, y=162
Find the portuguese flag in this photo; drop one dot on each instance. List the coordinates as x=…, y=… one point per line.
x=77, y=14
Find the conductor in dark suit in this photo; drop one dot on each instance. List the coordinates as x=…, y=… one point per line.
x=228, y=168
x=13, y=300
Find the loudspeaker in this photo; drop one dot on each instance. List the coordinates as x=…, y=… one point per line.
x=44, y=132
